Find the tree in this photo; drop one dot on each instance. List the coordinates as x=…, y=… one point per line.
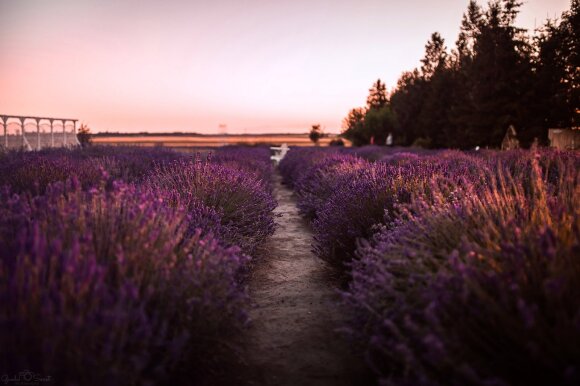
x=494, y=78
x=353, y=127
x=378, y=124
x=407, y=102
x=495, y=70
x=373, y=124
x=435, y=56
x=470, y=25
x=377, y=98
x=315, y=134
x=557, y=64
x=84, y=135
x=432, y=119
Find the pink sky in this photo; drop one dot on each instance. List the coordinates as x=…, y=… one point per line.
x=255, y=65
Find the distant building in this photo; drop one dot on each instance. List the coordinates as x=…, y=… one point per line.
x=510, y=140
x=565, y=139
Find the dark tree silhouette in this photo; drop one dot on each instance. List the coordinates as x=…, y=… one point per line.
x=496, y=76
x=377, y=95
x=373, y=124
x=353, y=127
x=84, y=135
x=315, y=134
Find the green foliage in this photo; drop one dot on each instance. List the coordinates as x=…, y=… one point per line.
x=336, y=142
x=557, y=71
x=354, y=128
x=496, y=76
x=377, y=98
x=373, y=124
x=315, y=134
x=84, y=135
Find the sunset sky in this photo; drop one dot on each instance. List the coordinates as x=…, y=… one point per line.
x=255, y=65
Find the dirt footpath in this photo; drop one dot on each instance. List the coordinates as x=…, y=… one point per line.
x=292, y=339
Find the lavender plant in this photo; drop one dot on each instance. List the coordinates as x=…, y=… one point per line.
x=371, y=197
x=475, y=287
x=106, y=287
x=109, y=282
x=321, y=178
x=242, y=201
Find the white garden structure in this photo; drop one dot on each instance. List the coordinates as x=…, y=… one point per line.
x=279, y=153
x=35, y=133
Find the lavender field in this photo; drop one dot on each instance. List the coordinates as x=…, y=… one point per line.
x=127, y=266
x=459, y=269
x=130, y=266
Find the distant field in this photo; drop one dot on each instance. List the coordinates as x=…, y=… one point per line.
x=181, y=141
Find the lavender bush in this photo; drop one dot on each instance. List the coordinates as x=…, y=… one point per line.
x=242, y=200
x=33, y=171
x=465, y=270
x=321, y=178
x=105, y=287
x=477, y=287
x=254, y=160
x=293, y=164
x=371, y=197
x=109, y=282
x=347, y=197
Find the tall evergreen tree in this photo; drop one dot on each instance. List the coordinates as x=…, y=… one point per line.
x=407, y=102
x=470, y=27
x=432, y=119
x=373, y=124
x=558, y=72
x=493, y=79
x=435, y=56
x=377, y=95
x=498, y=76
x=353, y=127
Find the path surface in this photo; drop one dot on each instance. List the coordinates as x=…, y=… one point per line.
x=292, y=339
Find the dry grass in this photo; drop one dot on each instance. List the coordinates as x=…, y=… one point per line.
x=210, y=141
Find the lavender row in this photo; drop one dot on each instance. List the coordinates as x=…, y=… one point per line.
x=463, y=268
x=105, y=281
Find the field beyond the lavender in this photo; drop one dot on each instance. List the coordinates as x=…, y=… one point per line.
x=342, y=266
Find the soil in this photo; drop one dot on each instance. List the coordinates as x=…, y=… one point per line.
x=293, y=339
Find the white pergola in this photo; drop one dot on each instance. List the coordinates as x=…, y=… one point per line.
x=47, y=141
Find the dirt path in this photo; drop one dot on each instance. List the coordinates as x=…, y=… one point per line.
x=292, y=339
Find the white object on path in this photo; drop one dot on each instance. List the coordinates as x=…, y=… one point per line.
x=279, y=153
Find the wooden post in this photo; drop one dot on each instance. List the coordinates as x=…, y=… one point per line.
x=37, y=134
x=4, y=124
x=23, y=131
x=51, y=133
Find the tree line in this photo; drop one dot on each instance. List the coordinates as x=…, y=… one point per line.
x=496, y=76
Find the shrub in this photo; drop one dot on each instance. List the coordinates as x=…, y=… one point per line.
x=354, y=209
x=242, y=201
x=475, y=286
x=321, y=177
x=336, y=142
x=105, y=287
x=253, y=160
x=293, y=164
x=372, y=196
x=34, y=171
